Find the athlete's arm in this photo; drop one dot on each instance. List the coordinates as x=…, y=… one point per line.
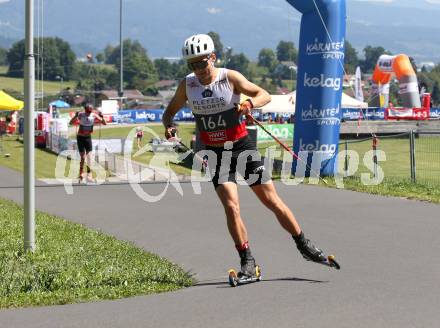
x=258, y=97
x=173, y=107
x=101, y=118
x=74, y=118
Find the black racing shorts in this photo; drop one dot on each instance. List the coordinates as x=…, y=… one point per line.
x=84, y=144
x=249, y=165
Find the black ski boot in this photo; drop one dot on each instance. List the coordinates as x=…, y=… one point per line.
x=309, y=251
x=247, y=263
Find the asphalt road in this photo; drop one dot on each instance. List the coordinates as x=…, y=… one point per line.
x=388, y=249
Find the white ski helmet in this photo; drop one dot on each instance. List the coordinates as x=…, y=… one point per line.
x=197, y=45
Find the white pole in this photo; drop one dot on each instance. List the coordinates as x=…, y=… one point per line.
x=29, y=163
x=121, y=49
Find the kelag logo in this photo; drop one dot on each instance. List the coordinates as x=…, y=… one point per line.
x=328, y=148
x=147, y=116
x=322, y=82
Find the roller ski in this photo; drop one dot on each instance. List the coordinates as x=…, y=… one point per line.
x=312, y=253
x=81, y=179
x=249, y=272
x=90, y=179
x=86, y=180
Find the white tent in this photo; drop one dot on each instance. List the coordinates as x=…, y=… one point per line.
x=286, y=103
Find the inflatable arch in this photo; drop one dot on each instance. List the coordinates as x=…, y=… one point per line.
x=319, y=82
x=401, y=66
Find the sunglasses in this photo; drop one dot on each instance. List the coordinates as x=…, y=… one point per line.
x=199, y=65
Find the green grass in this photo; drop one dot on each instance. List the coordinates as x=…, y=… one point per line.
x=397, y=164
x=388, y=187
x=73, y=264
x=16, y=84
x=45, y=161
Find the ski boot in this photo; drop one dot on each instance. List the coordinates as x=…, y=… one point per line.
x=312, y=253
x=81, y=178
x=249, y=271
x=90, y=178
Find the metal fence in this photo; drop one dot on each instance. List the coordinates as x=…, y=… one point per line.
x=411, y=156
x=127, y=169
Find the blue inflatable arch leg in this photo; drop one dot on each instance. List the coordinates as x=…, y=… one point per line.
x=319, y=82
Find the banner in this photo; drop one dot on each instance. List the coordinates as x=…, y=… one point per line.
x=407, y=114
x=281, y=131
x=435, y=113
x=140, y=116
x=150, y=115
x=319, y=82
x=354, y=114
x=359, y=94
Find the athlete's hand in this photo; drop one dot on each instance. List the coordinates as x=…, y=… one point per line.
x=170, y=132
x=245, y=107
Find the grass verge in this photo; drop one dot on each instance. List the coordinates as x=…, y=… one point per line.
x=73, y=264
x=388, y=187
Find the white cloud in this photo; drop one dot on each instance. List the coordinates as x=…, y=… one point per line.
x=1, y=1
x=214, y=11
x=434, y=2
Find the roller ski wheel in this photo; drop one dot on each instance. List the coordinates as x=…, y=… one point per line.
x=330, y=262
x=237, y=278
x=91, y=181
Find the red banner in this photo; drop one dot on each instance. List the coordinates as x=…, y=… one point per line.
x=407, y=113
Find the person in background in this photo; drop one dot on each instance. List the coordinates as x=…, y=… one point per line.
x=86, y=121
x=139, y=136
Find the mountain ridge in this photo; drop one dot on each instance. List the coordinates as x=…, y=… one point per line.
x=245, y=25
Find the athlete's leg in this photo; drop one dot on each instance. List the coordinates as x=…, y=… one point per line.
x=267, y=194
x=82, y=156
x=89, y=148
x=269, y=197
x=228, y=194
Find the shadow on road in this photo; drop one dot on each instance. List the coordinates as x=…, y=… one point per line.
x=225, y=283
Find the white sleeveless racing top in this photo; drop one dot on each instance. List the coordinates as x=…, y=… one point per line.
x=214, y=108
x=85, y=123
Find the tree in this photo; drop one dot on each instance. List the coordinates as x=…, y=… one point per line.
x=286, y=51
x=283, y=72
x=372, y=54
x=100, y=58
x=180, y=69
x=137, y=65
x=267, y=58
x=164, y=69
x=95, y=77
x=3, y=56
x=435, y=95
x=108, y=51
x=239, y=63
x=58, y=59
x=351, y=60
x=113, y=54
x=218, y=45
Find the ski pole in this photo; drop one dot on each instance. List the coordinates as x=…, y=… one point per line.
x=175, y=138
x=282, y=144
